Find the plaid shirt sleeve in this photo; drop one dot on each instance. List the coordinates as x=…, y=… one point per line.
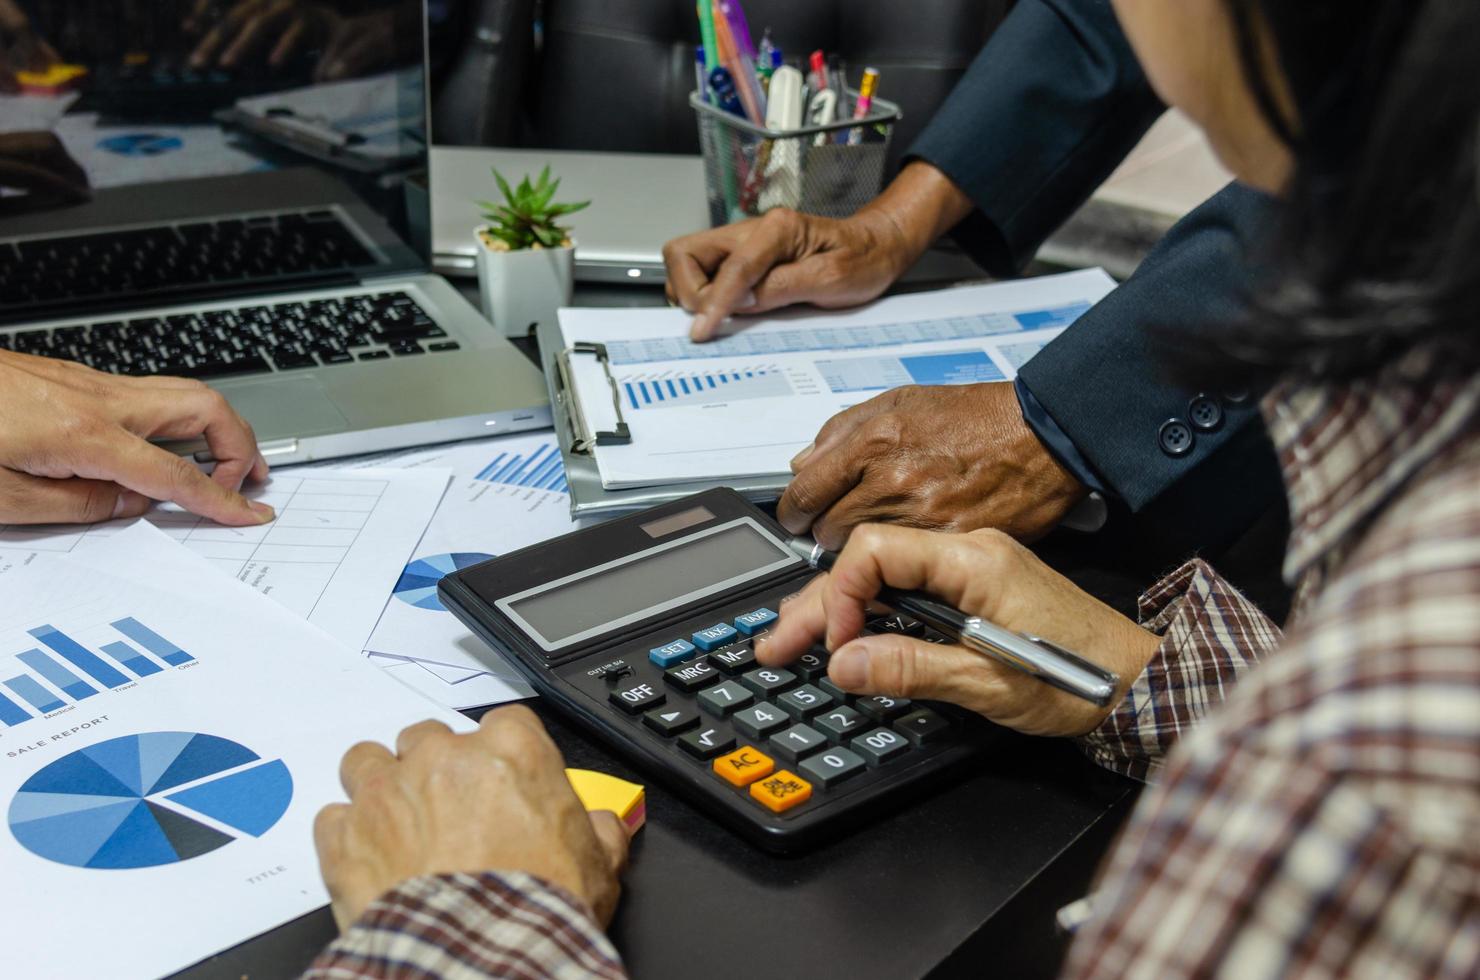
x=1212, y=635
x=488, y=925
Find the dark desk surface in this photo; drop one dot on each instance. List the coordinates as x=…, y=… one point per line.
x=964, y=878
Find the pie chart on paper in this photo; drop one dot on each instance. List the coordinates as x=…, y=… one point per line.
x=141, y=801
x=418, y=583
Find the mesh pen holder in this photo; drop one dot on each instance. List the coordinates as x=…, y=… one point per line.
x=830, y=170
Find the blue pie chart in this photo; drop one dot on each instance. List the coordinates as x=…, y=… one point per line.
x=141, y=801
x=417, y=585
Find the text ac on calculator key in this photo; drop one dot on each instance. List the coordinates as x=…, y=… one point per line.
x=671, y=720
x=706, y=743
x=691, y=677
x=633, y=698
x=743, y=766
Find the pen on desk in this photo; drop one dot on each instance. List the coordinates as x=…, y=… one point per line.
x=1032, y=655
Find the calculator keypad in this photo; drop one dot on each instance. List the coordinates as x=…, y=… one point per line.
x=703, y=693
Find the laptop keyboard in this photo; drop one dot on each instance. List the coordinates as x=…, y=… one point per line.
x=249, y=340
x=140, y=262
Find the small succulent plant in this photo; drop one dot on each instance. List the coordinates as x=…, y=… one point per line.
x=528, y=216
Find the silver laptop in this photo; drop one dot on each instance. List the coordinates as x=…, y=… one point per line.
x=638, y=202
x=256, y=228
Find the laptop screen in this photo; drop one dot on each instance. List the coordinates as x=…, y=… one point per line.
x=153, y=150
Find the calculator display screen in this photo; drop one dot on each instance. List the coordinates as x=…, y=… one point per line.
x=650, y=582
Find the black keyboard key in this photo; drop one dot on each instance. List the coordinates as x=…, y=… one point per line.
x=635, y=698
x=812, y=664
x=375, y=355
x=670, y=721
x=804, y=702
x=798, y=742
x=839, y=723
x=882, y=709
x=706, y=743
x=693, y=676
x=923, y=727
x=444, y=345
x=759, y=720
x=735, y=660
x=767, y=681
x=725, y=699
x=827, y=769
x=879, y=746
x=287, y=360
x=337, y=357
x=407, y=350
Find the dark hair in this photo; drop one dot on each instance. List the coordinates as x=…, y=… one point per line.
x=1380, y=247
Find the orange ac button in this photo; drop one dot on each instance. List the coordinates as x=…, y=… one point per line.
x=782, y=791
x=743, y=766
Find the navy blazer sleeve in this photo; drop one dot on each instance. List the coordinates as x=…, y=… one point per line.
x=1052, y=105
x=1050, y=108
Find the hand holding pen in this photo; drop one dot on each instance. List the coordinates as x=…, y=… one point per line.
x=984, y=577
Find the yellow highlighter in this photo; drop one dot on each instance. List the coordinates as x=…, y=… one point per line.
x=598, y=791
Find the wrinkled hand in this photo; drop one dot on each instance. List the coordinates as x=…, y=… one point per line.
x=494, y=800
x=984, y=573
x=780, y=259
x=38, y=165
x=951, y=458
x=275, y=32
x=21, y=48
x=73, y=446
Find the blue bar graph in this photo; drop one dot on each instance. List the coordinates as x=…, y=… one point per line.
x=132, y=659
x=707, y=388
x=11, y=713
x=542, y=469
x=152, y=641
x=73, y=686
x=79, y=656
x=39, y=697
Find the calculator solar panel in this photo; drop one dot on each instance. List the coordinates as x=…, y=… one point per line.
x=642, y=630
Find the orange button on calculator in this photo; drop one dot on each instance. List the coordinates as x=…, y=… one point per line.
x=782, y=791
x=743, y=766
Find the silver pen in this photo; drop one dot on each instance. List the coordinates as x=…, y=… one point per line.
x=1030, y=654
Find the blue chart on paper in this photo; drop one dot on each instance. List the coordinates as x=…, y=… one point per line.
x=140, y=144
x=417, y=585
x=77, y=673
x=141, y=801
x=763, y=343
x=542, y=469
x=883, y=373
x=707, y=388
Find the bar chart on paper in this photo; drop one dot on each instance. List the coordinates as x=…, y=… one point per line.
x=883, y=373
x=701, y=388
x=539, y=468
x=61, y=671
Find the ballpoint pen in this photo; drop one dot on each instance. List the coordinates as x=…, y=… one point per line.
x=1032, y=655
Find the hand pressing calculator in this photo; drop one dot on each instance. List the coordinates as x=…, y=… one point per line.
x=641, y=630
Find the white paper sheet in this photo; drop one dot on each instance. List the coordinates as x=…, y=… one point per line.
x=506, y=493
x=340, y=541
x=159, y=848
x=746, y=404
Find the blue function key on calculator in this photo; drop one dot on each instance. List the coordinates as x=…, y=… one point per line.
x=715, y=637
x=672, y=653
x=753, y=622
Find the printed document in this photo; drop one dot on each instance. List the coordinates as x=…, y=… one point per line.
x=506, y=493
x=746, y=404
x=338, y=545
x=166, y=740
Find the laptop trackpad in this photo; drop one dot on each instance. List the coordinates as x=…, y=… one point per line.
x=283, y=408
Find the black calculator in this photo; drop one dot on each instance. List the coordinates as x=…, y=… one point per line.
x=641, y=630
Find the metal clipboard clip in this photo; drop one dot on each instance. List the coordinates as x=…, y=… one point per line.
x=583, y=439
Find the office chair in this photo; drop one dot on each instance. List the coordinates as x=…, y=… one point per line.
x=615, y=75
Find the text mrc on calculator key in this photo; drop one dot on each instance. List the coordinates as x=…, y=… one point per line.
x=692, y=676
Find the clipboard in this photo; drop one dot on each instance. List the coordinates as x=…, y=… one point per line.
x=577, y=440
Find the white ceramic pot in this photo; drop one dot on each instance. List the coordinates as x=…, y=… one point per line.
x=523, y=289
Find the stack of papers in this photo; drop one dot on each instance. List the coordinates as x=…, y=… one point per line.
x=744, y=405
x=167, y=736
